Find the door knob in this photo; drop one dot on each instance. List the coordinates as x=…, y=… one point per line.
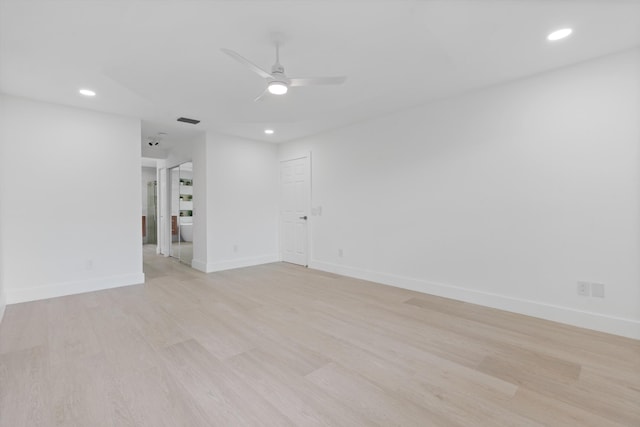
x=303, y=217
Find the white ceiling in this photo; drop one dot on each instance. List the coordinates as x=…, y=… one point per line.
x=158, y=60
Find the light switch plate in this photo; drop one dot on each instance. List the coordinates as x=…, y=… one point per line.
x=583, y=288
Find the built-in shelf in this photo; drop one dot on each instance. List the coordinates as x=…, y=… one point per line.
x=186, y=197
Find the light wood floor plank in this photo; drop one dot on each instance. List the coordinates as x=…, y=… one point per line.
x=24, y=326
x=279, y=344
x=298, y=399
x=220, y=393
x=24, y=390
x=458, y=393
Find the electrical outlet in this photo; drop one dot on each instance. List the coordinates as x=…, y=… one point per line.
x=597, y=290
x=340, y=253
x=88, y=264
x=583, y=288
x=235, y=248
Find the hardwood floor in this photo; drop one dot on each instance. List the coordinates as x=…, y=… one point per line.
x=283, y=345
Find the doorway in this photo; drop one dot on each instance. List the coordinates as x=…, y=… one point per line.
x=149, y=205
x=295, y=198
x=181, y=208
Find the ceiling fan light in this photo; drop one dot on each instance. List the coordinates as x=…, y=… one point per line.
x=277, y=88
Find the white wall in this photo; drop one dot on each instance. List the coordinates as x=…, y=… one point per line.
x=2, y=296
x=182, y=152
x=71, y=200
x=504, y=197
x=200, y=203
x=241, y=203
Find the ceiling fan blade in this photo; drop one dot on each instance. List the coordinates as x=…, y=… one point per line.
x=313, y=81
x=241, y=59
x=259, y=98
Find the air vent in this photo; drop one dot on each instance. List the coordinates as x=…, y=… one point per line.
x=186, y=120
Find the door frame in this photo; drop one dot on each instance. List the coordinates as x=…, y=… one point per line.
x=164, y=206
x=306, y=155
x=158, y=165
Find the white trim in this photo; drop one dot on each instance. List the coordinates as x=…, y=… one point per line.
x=309, y=207
x=237, y=263
x=160, y=164
x=54, y=290
x=199, y=265
x=600, y=322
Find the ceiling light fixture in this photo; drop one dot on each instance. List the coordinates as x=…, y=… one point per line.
x=559, y=34
x=277, y=88
x=87, y=92
x=269, y=131
x=154, y=141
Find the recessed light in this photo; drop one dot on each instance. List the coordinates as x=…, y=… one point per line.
x=87, y=92
x=269, y=131
x=559, y=34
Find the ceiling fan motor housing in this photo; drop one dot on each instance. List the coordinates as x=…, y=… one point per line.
x=277, y=69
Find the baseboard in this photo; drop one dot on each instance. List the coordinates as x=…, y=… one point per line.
x=199, y=265
x=599, y=322
x=14, y=296
x=239, y=263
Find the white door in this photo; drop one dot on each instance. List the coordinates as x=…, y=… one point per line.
x=295, y=181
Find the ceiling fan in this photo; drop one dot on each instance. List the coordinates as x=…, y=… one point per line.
x=277, y=81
